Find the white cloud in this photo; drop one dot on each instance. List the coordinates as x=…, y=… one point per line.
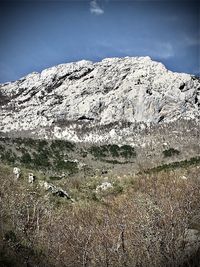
x=158, y=49
x=95, y=8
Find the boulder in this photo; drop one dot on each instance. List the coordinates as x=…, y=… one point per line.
x=31, y=178
x=104, y=186
x=55, y=190
x=16, y=172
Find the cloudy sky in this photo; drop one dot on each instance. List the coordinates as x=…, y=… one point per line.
x=38, y=34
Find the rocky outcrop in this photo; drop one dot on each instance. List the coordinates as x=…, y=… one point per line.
x=103, y=187
x=55, y=190
x=83, y=97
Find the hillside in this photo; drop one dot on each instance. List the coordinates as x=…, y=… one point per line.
x=148, y=219
x=99, y=166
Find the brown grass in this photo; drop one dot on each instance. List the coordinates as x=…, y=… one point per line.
x=145, y=225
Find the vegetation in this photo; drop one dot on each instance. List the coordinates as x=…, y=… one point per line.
x=42, y=144
x=127, y=152
x=41, y=159
x=175, y=165
x=2, y=148
x=60, y=155
x=142, y=221
x=69, y=166
x=114, y=161
x=8, y=156
x=26, y=158
x=114, y=151
x=62, y=144
x=170, y=152
x=39, y=154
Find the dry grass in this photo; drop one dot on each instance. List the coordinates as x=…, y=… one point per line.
x=144, y=225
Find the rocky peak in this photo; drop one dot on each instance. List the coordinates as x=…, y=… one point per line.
x=63, y=99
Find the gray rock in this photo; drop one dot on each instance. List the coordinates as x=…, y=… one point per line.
x=103, y=187
x=16, y=172
x=55, y=190
x=62, y=101
x=31, y=178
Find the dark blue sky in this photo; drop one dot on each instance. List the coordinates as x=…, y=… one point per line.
x=38, y=34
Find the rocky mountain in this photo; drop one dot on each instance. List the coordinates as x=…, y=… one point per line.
x=116, y=141
x=110, y=158
x=112, y=100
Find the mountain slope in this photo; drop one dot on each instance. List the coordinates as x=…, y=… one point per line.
x=91, y=102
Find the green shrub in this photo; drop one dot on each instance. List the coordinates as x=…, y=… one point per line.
x=83, y=153
x=174, y=165
x=170, y=152
x=10, y=236
x=26, y=158
x=99, y=151
x=29, y=142
x=9, y=156
x=18, y=140
x=69, y=166
x=127, y=151
x=2, y=148
x=62, y=145
x=114, y=151
x=114, y=161
x=41, y=159
x=42, y=144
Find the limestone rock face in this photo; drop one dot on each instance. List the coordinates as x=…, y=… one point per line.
x=62, y=101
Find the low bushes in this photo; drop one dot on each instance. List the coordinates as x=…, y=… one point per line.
x=113, y=151
x=170, y=152
x=145, y=224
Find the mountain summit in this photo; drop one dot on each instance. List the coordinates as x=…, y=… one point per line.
x=77, y=100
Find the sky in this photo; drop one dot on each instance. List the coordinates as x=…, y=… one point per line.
x=35, y=35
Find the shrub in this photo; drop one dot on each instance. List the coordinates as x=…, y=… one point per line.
x=112, y=161
x=69, y=166
x=9, y=156
x=99, y=151
x=170, y=152
x=2, y=148
x=29, y=142
x=83, y=153
x=114, y=151
x=10, y=236
x=62, y=145
x=41, y=144
x=145, y=225
x=175, y=165
x=26, y=158
x=55, y=178
x=127, y=151
x=41, y=159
